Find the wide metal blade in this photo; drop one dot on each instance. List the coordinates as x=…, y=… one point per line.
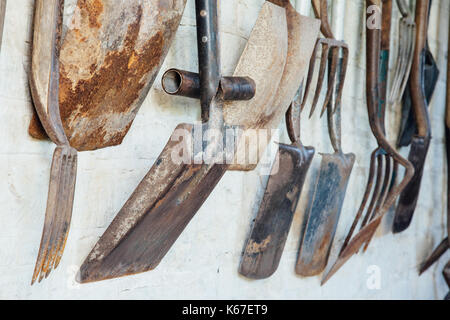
x=59, y=211
x=324, y=213
x=153, y=217
x=409, y=196
x=265, y=245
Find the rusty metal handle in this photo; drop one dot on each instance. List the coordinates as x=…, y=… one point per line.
x=417, y=73
x=187, y=84
x=293, y=118
x=320, y=8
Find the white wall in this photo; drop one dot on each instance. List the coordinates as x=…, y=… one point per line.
x=203, y=263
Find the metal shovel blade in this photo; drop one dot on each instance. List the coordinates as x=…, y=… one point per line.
x=270, y=230
x=409, y=196
x=324, y=213
x=111, y=54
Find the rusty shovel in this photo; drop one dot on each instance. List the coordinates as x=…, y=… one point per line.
x=171, y=193
x=87, y=84
x=331, y=185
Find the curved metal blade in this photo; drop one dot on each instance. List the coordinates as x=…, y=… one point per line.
x=437, y=253
x=265, y=245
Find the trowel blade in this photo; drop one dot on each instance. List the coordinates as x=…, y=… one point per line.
x=324, y=213
x=270, y=230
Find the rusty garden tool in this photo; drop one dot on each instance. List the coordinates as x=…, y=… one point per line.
x=384, y=158
x=171, y=193
x=444, y=246
x=110, y=56
x=2, y=19
x=44, y=88
x=88, y=83
x=265, y=245
x=331, y=184
x=408, y=125
x=328, y=45
x=421, y=140
x=402, y=69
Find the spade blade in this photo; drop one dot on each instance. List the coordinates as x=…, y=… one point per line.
x=324, y=213
x=269, y=233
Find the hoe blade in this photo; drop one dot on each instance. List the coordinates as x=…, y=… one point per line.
x=267, y=239
x=324, y=213
x=409, y=196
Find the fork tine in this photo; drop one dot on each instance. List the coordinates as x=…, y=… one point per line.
x=323, y=64
x=364, y=201
x=377, y=190
x=343, y=74
x=331, y=78
x=309, y=78
x=402, y=47
x=411, y=47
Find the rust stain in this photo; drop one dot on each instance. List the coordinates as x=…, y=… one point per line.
x=94, y=8
x=255, y=248
x=112, y=89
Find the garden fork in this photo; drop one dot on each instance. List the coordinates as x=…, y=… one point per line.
x=407, y=38
x=331, y=49
x=384, y=158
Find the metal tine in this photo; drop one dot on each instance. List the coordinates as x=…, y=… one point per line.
x=311, y=69
x=320, y=81
x=331, y=78
x=412, y=45
x=401, y=62
x=377, y=190
x=344, y=68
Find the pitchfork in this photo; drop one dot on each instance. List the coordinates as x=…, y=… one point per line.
x=331, y=49
x=407, y=39
x=385, y=158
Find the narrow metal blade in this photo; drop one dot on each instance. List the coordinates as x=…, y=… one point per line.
x=59, y=211
x=409, y=196
x=324, y=213
x=267, y=239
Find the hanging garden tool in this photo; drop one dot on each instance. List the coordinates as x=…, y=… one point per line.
x=44, y=88
x=2, y=19
x=171, y=193
x=328, y=45
x=402, y=69
x=88, y=89
x=408, y=127
x=335, y=169
x=421, y=140
x=383, y=197
x=265, y=246
x=445, y=244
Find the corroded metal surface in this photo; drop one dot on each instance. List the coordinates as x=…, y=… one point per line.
x=274, y=90
x=110, y=56
x=2, y=19
x=44, y=86
x=421, y=141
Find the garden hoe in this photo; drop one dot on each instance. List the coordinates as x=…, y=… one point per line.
x=383, y=196
x=87, y=85
x=2, y=19
x=331, y=184
x=265, y=246
x=445, y=244
x=408, y=126
x=421, y=140
x=172, y=192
